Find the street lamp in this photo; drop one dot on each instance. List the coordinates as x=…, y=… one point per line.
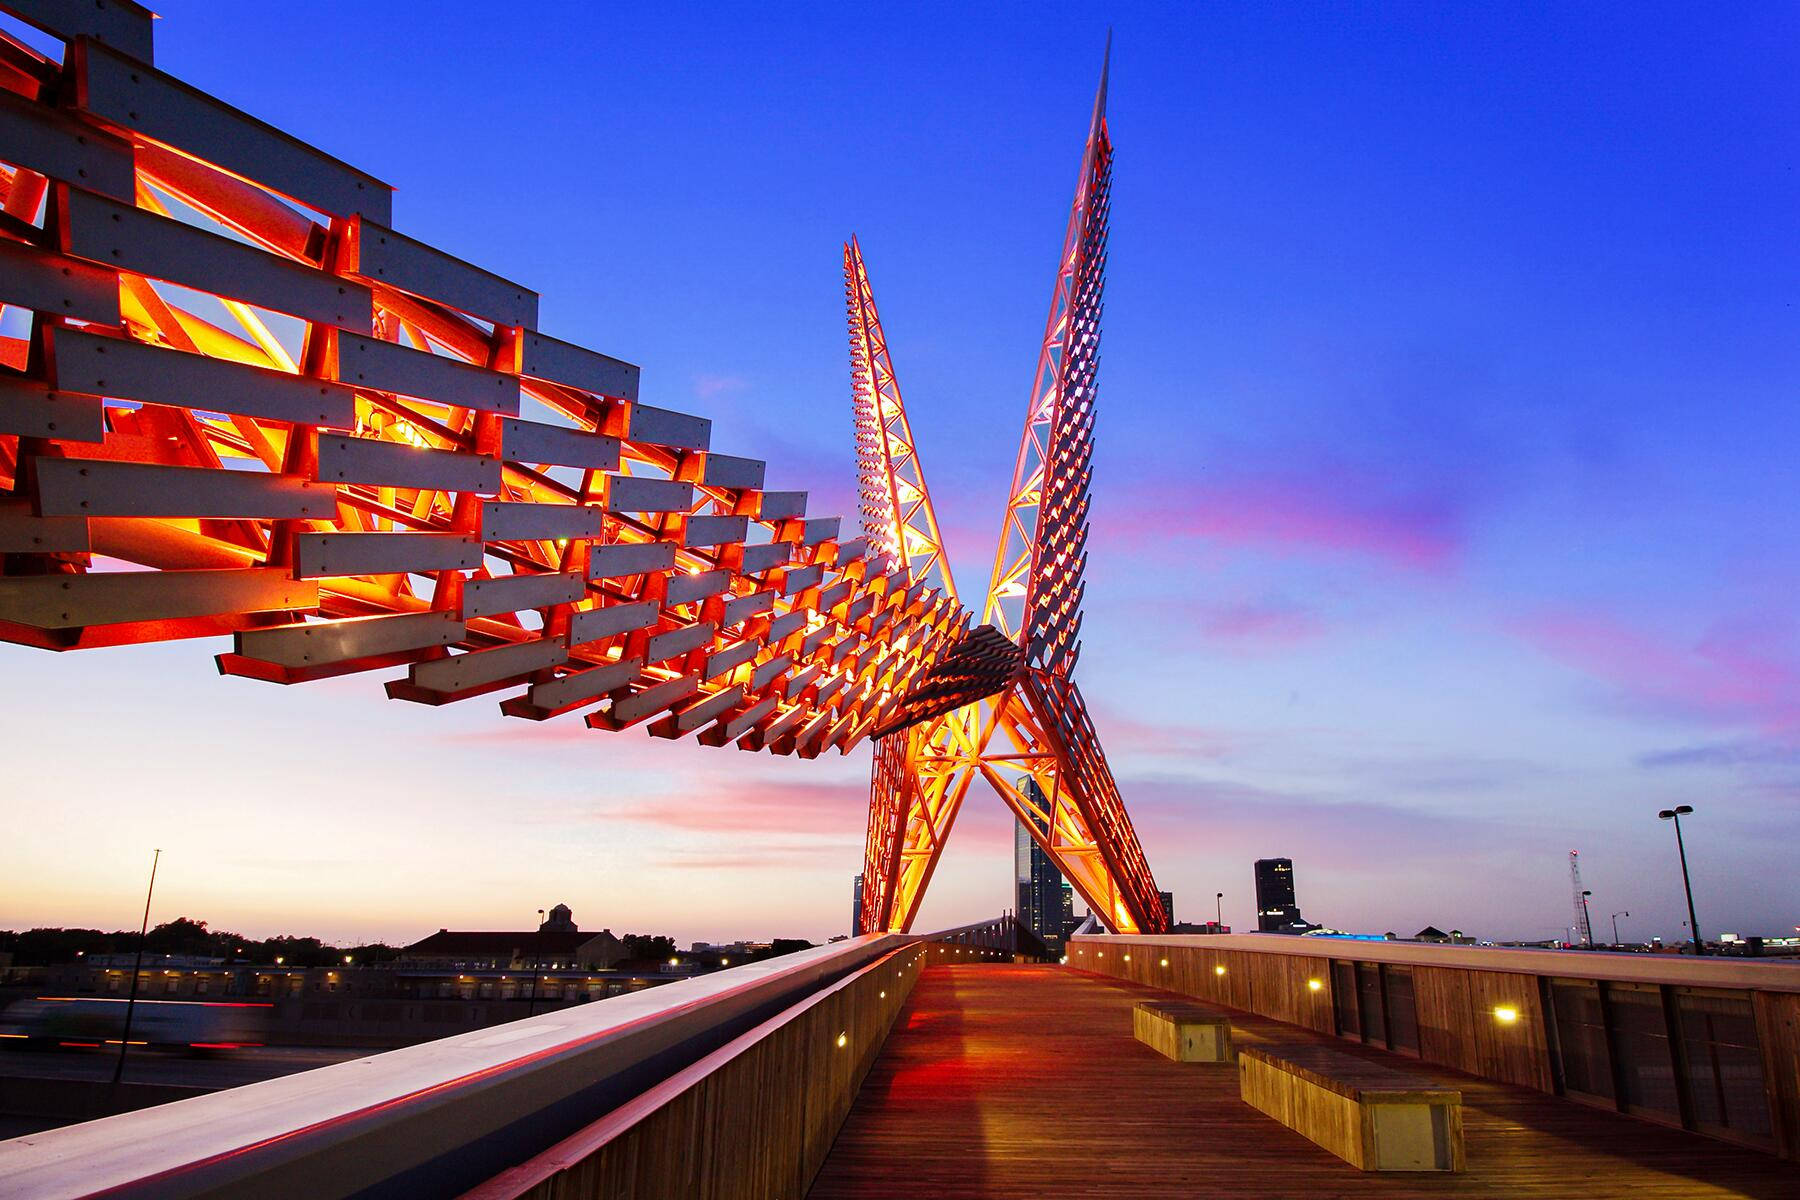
x=1675, y=814
x=1586, y=921
x=1615, y=921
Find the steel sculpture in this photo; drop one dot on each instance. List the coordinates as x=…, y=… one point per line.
x=234, y=399
x=1031, y=737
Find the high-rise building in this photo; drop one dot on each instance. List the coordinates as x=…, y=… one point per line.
x=1275, y=906
x=1040, y=884
x=856, y=906
x=1168, y=903
x=1068, y=908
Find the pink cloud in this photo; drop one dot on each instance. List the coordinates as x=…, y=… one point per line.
x=748, y=804
x=1259, y=625
x=1331, y=508
x=1743, y=671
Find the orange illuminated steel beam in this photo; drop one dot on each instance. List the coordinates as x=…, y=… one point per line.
x=1032, y=739
x=235, y=400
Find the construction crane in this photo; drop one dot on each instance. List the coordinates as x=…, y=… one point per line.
x=1584, y=932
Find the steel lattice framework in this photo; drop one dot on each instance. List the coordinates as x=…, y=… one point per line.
x=235, y=400
x=1031, y=739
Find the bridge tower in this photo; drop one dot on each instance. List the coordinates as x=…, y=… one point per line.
x=1032, y=741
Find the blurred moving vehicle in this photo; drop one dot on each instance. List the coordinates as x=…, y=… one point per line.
x=87, y=1022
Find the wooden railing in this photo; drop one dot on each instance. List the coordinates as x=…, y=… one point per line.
x=439, y=1118
x=1710, y=1044
x=752, y=1120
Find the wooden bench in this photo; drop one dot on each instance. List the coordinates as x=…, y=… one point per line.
x=1369, y=1115
x=1183, y=1031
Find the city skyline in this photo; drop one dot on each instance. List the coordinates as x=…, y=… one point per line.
x=1462, y=570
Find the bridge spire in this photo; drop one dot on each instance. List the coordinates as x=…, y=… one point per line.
x=1033, y=741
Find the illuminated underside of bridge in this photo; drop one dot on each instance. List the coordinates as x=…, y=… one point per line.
x=235, y=400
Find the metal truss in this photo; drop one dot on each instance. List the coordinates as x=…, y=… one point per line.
x=1030, y=738
x=235, y=400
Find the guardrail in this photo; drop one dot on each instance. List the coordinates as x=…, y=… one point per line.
x=441, y=1117
x=752, y=1120
x=1709, y=1044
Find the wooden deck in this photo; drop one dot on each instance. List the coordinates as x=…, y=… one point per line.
x=1003, y=1081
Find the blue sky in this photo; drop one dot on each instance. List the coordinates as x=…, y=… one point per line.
x=1445, y=501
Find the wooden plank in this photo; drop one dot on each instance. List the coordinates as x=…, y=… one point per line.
x=126, y=27
x=57, y=285
x=637, y=558
x=381, y=255
x=347, y=459
x=322, y=555
x=504, y=521
x=534, y=442
x=511, y=593
x=391, y=367
x=71, y=487
x=29, y=408
x=1778, y=1035
x=83, y=361
x=146, y=243
x=954, y=1107
x=555, y=361
x=114, y=597
x=141, y=98
x=315, y=643
x=56, y=143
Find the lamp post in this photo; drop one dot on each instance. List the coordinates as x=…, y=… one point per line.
x=136, y=970
x=1675, y=814
x=1587, y=922
x=1615, y=921
x=1219, y=910
x=537, y=960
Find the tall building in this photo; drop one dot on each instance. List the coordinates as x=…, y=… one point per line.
x=1068, y=909
x=1040, y=884
x=1168, y=904
x=1275, y=906
x=856, y=906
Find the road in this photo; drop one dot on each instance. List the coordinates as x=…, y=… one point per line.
x=240, y=1067
x=19, y=1067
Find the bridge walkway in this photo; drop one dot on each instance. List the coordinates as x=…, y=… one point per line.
x=1025, y=1081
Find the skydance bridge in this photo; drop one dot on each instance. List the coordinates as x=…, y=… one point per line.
x=236, y=400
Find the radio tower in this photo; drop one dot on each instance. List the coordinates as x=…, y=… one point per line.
x=1584, y=932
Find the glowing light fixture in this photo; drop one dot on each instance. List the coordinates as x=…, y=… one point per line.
x=1219, y=970
x=1315, y=985
x=1506, y=1014
x=843, y=1040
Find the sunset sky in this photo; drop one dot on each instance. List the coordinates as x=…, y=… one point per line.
x=1446, y=507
